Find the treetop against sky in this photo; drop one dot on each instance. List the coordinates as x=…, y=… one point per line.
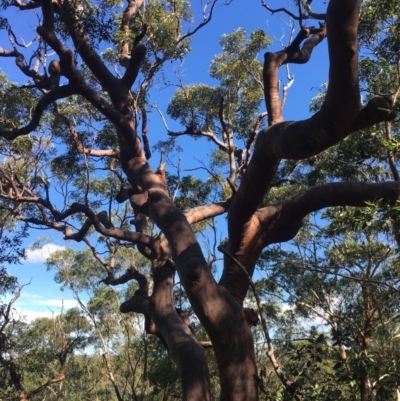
x=90, y=152
x=193, y=69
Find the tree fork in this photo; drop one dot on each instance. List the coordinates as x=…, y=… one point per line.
x=219, y=313
x=168, y=325
x=340, y=115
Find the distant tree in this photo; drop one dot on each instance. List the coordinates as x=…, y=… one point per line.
x=34, y=356
x=74, y=130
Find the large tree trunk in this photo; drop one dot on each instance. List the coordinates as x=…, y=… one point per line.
x=234, y=351
x=221, y=315
x=219, y=307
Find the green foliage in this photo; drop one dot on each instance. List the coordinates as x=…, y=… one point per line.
x=33, y=353
x=165, y=22
x=342, y=275
x=17, y=104
x=326, y=294
x=192, y=192
x=7, y=282
x=379, y=28
x=196, y=107
x=239, y=74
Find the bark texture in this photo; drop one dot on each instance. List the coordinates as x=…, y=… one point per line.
x=218, y=306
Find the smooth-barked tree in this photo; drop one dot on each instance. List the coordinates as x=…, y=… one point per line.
x=75, y=145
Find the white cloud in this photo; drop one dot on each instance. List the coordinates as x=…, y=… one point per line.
x=30, y=306
x=58, y=303
x=29, y=315
x=40, y=255
x=36, y=301
x=29, y=295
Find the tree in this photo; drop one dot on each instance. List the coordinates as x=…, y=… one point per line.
x=82, y=102
x=352, y=288
x=40, y=350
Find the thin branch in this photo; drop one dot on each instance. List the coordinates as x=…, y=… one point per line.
x=79, y=146
x=206, y=19
x=227, y=133
x=309, y=15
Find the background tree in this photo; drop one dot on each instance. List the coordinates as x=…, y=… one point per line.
x=97, y=112
x=41, y=348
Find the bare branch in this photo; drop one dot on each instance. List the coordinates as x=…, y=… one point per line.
x=309, y=15
x=206, y=20
x=207, y=134
x=204, y=212
x=79, y=146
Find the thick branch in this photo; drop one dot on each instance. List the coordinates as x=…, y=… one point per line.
x=47, y=29
x=87, y=51
x=130, y=274
x=30, y=5
x=129, y=12
x=340, y=115
x=291, y=54
x=41, y=80
x=95, y=64
x=280, y=223
x=287, y=217
x=112, y=231
x=140, y=302
x=145, y=137
x=211, y=303
x=45, y=101
x=271, y=354
x=204, y=212
x=137, y=56
x=181, y=343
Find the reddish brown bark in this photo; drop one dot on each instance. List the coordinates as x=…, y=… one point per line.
x=223, y=317
x=167, y=324
x=218, y=306
x=340, y=115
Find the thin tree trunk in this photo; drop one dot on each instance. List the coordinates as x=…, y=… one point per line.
x=166, y=393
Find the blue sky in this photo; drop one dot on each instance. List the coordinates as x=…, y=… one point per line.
x=42, y=296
